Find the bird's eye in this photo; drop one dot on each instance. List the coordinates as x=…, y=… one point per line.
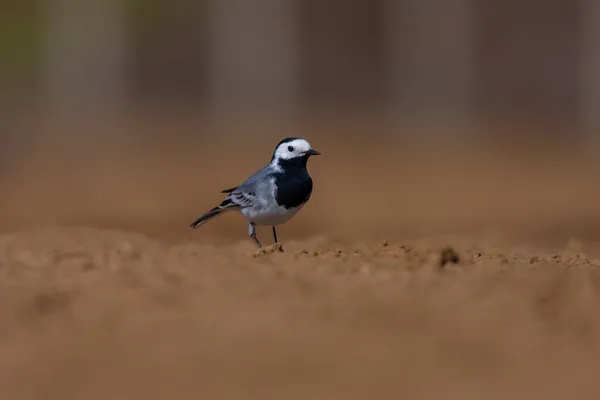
x=290, y=148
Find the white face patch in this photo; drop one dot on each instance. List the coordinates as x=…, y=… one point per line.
x=292, y=149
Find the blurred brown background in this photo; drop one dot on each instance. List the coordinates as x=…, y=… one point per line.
x=459, y=55
x=148, y=108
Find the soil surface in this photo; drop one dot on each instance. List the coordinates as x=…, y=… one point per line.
x=414, y=272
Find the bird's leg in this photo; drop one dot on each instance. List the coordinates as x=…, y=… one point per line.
x=252, y=233
x=274, y=234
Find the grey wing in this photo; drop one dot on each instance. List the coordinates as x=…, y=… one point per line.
x=247, y=194
x=242, y=198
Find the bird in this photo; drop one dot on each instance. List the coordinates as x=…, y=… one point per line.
x=272, y=195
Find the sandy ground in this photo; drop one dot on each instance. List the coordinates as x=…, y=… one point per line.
x=105, y=293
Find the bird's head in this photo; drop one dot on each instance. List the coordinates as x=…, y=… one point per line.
x=293, y=151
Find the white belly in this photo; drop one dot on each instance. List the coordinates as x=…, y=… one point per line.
x=276, y=216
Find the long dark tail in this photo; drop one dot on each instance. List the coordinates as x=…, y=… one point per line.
x=206, y=216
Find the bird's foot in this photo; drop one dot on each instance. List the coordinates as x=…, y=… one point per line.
x=275, y=248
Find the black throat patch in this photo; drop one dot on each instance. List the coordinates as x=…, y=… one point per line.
x=294, y=184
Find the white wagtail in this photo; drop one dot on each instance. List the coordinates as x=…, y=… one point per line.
x=274, y=194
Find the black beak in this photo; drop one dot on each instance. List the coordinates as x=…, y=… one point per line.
x=313, y=152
